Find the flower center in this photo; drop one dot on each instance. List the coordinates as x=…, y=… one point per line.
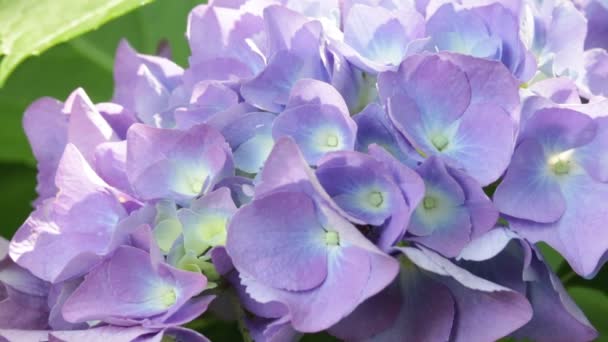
x=562, y=167
x=196, y=184
x=429, y=203
x=440, y=142
x=331, y=141
x=375, y=199
x=332, y=238
x=167, y=296
x=561, y=164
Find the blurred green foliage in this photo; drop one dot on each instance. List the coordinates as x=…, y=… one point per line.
x=28, y=27
x=87, y=62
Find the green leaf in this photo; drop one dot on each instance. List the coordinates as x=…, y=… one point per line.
x=552, y=257
x=594, y=304
x=599, y=281
x=29, y=27
x=17, y=183
x=86, y=62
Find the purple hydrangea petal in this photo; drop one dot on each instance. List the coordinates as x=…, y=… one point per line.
x=596, y=72
x=330, y=129
x=503, y=257
x=375, y=189
x=343, y=289
x=99, y=334
x=293, y=255
x=526, y=191
x=559, y=129
x=102, y=333
x=441, y=221
x=412, y=186
x=117, y=116
x=87, y=127
x=596, y=13
x=485, y=311
x=356, y=86
x=454, y=209
x=46, y=127
x=84, y=216
x=373, y=127
x=300, y=177
x=481, y=209
x=490, y=82
x=23, y=297
x=264, y=330
x=463, y=31
x=382, y=43
x=270, y=90
x=357, y=184
x=128, y=286
x=558, y=90
x=438, y=301
x=313, y=92
x=190, y=311
x=413, y=306
x=344, y=247
x=439, y=88
x=592, y=156
x=57, y=297
x=152, y=100
x=241, y=189
x=250, y=137
x=297, y=56
x=218, y=38
x=577, y=229
x=477, y=135
x=110, y=164
x=175, y=164
x=499, y=256
x=129, y=77
x=473, y=116
x=554, y=311
x=22, y=311
x=561, y=39
x=269, y=310
x=182, y=334
x=208, y=98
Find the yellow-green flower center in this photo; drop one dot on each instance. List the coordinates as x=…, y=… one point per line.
x=561, y=163
x=375, y=198
x=561, y=167
x=429, y=203
x=167, y=296
x=332, y=238
x=440, y=142
x=332, y=140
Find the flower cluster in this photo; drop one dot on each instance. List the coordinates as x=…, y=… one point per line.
x=376, y=169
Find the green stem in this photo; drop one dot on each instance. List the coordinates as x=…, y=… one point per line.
x=240, y=315
x=567, y=277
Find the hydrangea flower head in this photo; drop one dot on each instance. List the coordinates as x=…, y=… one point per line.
x=379, y=170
